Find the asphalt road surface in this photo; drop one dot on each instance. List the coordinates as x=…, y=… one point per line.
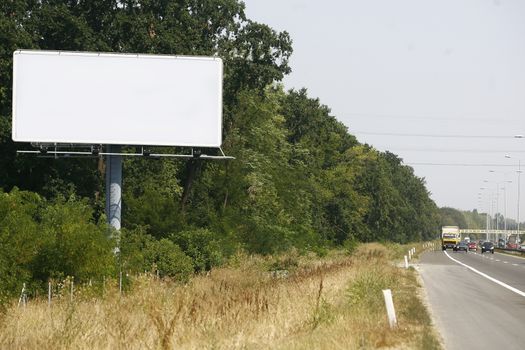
x=472, y=311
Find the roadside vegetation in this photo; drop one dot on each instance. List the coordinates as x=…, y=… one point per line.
x=253, y=252
x=288, y=301
x=474, y=220
x=300, y=181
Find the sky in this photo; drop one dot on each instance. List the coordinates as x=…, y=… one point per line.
x=437, y=82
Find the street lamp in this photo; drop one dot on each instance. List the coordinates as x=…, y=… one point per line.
x=497, y=213
x=504, y=182
x=505, y=200
x=487, y=214
x=519, y=173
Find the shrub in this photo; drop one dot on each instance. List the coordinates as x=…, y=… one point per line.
x=366, y=288
x=350, y=245
x=168, y=259
x=202, y=246
x=19, y=238
x=72, y=244
x=40, y=240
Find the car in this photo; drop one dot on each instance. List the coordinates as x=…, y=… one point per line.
x=472, y=246
x=461, y=246
x=512, y=245
x=487, y=247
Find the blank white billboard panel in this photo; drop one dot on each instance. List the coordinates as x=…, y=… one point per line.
x=67, y=97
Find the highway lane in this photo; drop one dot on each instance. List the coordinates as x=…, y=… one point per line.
x=471, y=311
x=506, y=268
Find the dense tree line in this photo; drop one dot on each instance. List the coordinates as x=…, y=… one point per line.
x=300, y=179
x=475, y=220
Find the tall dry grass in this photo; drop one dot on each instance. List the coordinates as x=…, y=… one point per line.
x=329, y=303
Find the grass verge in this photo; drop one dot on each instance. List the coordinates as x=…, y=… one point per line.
x=332, y=302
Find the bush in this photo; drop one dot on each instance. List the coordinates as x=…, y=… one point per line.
x=202, y=246
x=133, y=243
x=168, y=259
x=41, y=240
x=366, y=289
x=19, y=239
x=72, y=244
x=350, y=245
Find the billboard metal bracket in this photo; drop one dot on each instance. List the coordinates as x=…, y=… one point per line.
x=96, y=151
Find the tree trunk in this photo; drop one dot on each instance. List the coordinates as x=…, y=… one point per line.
x=193, y=167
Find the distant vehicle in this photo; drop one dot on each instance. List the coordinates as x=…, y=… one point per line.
x=461, y=246
x=472, y=246
x=487, y=247
x=449, y=237
x=522, y=246
x=512, y=245
x=501, y=243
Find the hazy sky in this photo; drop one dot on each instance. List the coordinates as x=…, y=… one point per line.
x=451, y=68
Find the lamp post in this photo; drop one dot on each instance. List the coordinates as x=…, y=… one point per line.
x=504, y=188
x=519, y=173
x=482, y=204
x=505, y=201
x=487, y=215
x=496, y=200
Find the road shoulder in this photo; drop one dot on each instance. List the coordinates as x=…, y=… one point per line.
x=423, y=296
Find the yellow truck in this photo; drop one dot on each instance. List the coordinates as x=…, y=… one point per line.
x=450, y=237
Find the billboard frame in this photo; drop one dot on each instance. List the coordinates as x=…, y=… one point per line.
x=216, y=126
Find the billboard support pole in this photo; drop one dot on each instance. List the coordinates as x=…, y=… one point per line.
x=114, y=187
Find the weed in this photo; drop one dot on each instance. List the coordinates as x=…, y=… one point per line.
x=324, y=303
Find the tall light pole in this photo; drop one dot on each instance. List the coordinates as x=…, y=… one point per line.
x=519, y=173
x=480, y=199
x=504, y=188
x=505, y=200
x=487, y=214
x=495, y=210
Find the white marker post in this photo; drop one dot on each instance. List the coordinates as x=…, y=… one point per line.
x=391, y=312
x=406, y=262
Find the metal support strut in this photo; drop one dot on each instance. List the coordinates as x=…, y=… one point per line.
x=114, y=187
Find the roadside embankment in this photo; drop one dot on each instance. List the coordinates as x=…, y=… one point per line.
x=285, y=302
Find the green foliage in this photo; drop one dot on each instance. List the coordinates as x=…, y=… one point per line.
x=350, y=244
x=72, y=244
x=41, y=240
x=366, y=289
x=19, y=238
x=202, y=246
x=168, y=259
x=300, y=180
x=452, y=217
x=133, y=244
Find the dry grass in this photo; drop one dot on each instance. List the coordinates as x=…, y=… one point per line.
x=329, y=303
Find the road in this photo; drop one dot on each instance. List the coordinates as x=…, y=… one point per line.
x=470, y=310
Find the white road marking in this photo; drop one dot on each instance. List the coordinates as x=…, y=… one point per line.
x=504, y=285
x=498, y=260
x=505, y=262
x=514, y=256
x=514, y=264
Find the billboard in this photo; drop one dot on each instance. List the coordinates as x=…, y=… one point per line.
x=123, y=99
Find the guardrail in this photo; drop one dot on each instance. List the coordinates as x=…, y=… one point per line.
x=510, y=251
